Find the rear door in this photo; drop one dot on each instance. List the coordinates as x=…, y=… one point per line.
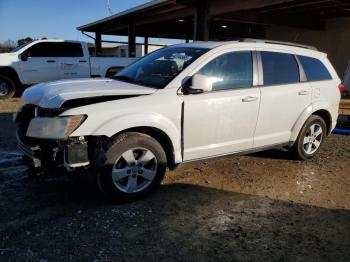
x=39, y=63
x=283, y=97
x=73, y=63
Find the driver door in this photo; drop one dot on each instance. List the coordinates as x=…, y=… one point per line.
x=39, y=63
x=223, y=121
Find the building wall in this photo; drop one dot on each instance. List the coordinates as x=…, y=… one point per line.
x=335, y=40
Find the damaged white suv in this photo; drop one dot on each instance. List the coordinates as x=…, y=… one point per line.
x=181, y=104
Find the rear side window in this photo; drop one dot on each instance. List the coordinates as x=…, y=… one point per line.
x=66, y=49
x=314, y=69
x=229, y=71
x=279, y=68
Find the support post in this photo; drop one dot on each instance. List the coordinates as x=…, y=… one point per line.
x=146, y=45
x=201, y=21
x=98, y=44
x=132, y=41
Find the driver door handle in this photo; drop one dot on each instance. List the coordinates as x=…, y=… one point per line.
x=51, y=61
x=249, y=99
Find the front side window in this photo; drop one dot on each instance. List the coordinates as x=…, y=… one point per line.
x=55, y=49
x=229, y=71
x=279, y=68
x=314, y=69
x=157, y=69
x=45, y=49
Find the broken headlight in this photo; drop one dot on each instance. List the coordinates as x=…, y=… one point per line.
x=54, y=127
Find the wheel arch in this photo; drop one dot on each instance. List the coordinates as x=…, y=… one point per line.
x=158, y=135
x=11, y=73
x=326, y=116
x=320, y=110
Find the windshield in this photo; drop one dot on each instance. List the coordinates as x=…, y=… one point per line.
x=19, y=47
x=160, y=67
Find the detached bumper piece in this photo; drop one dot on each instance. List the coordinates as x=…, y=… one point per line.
x=31, y=153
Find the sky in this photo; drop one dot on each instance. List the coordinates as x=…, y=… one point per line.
x=57, y=18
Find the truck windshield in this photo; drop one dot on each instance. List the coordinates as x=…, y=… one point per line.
x=157, y=69
x=20, y=47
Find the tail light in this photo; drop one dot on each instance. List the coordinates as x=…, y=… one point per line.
x=341, y=88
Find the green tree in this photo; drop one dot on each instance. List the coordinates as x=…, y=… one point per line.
x=24, y=41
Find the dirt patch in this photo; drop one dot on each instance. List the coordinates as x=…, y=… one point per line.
x=261, y=207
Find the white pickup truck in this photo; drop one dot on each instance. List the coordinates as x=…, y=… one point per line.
x=48, y=60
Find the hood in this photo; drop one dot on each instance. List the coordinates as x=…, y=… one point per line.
x=55, y=94
x=7, y=59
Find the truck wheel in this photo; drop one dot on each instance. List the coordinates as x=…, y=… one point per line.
x=310, y=139
x=7, y=87
x=134, y=165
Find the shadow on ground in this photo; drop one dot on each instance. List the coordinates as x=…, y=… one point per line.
x=56, y=220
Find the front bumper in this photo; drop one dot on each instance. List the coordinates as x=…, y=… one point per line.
x=46, y=154
x=49, y=153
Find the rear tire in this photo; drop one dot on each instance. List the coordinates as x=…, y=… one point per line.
x=7, y=87
x=310, y=138
x=133, y=165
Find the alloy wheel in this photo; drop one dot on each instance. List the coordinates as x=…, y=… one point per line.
x=313, y=139
x=134, y=170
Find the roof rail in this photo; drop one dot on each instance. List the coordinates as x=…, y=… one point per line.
x=251, y=40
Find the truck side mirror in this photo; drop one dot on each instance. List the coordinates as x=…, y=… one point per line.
x=24, y=56
x=199, y=84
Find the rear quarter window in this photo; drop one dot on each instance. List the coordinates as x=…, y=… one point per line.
x=314, y=69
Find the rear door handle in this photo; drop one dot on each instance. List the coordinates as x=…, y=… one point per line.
x=82, y=61
x=51, y=61
x=304, y=93
x=249, y=99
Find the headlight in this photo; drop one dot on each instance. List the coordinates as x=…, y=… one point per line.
x=54, y=127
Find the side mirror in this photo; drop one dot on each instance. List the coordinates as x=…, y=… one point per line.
x=24, y=56
x=200, y=84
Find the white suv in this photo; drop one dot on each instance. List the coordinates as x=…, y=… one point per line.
x=181, y=104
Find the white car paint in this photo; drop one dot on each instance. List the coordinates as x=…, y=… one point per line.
x=206, y=124
x=54, y=94
x=42, y=69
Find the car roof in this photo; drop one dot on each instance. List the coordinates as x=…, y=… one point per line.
x=253, y=43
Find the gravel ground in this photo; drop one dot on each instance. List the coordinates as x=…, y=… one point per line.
x=261, y=207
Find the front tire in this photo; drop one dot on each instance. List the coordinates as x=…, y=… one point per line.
x=7, y=87
x=133, y=165
x=310, y=138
